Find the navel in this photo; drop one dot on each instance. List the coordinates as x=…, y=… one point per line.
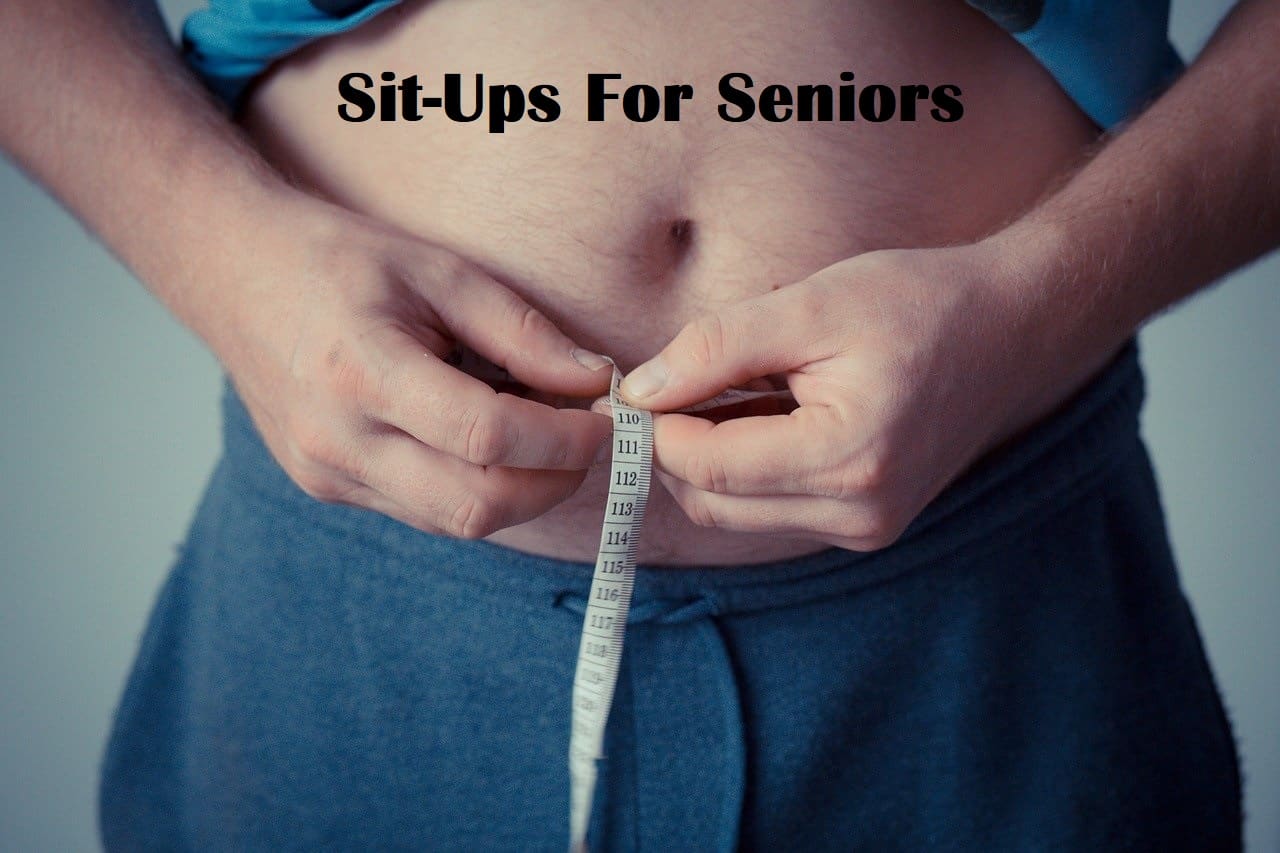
x=681, y=233
x=666, y=249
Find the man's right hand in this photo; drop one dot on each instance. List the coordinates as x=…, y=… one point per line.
x=337, y=338
x=333, y=327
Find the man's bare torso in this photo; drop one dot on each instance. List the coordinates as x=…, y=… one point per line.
x=622, y=232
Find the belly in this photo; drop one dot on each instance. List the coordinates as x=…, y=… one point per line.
x=621, y=231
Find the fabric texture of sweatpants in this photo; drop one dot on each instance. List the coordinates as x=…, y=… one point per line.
x=1020, y=671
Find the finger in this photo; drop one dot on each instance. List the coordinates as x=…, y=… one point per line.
x=499, y=325
x=437, y=492
x=806, y=452
x=777, y=332
x=844, y=524
x=446, y=409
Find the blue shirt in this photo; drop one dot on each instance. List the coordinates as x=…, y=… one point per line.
x=1110, y=56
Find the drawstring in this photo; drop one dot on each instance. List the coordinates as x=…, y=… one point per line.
x=697, y=612
x=734, y=742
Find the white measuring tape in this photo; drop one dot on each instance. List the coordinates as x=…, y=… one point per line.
x=604, y=623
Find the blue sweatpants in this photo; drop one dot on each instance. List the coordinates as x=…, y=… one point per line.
x=1020, y=671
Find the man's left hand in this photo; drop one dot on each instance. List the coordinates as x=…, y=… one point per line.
x=907, y=365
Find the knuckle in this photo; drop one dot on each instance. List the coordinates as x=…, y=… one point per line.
x=374, y=387
x=706, y=471
x=341, y=372
x=482, y=437
x=813, y=302
x=559, y=451
x=345, y=369
x=866, y=475
x=530, y=322
x=704, y=340
x=472, y=517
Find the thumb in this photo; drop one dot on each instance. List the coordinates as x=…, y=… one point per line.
x=750, y=339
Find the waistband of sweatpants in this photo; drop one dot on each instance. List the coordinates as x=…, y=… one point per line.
x=1052, y=464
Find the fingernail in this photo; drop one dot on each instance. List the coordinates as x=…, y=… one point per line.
x=589, y=359
x=605, y=451
x=645, y=380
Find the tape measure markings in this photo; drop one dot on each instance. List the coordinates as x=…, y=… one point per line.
x=604, y=623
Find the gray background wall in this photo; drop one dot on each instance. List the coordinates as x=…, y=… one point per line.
x=108, y=423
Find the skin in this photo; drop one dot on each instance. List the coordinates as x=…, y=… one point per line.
x=339, y=320
x=621, y=233
x=903, y=383
x=336, y=325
